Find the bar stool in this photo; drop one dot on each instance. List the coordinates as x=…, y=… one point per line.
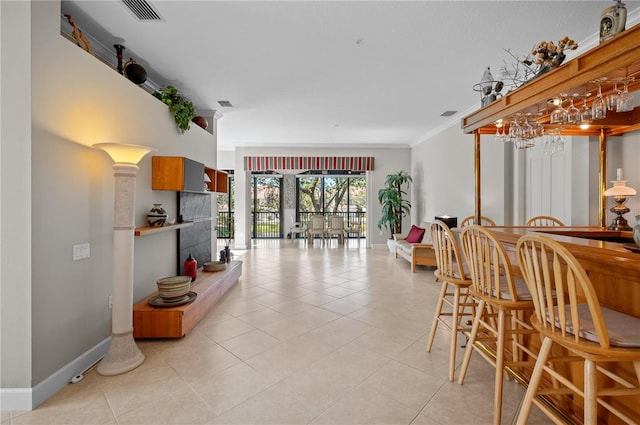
x=454, y=291
x=574, y=320
x=544, y=221
x=484, y=221
x=500, y=297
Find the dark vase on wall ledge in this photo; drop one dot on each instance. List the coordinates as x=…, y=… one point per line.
x=135, y=72
x=201, y=122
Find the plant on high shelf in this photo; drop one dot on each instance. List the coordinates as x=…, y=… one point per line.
x=394, y=205
x=182, y=109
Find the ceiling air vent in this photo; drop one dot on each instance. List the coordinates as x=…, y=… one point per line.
x=142, y=10
x=225, y=104
x=448, y=113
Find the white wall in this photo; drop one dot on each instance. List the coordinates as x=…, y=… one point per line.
x=76, y=101
x=15, y=198
x=444, y=181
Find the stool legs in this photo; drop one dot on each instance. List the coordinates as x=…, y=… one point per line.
x=456, y=315
x=534, y=382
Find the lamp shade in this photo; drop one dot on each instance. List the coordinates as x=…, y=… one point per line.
x=123, y=153
x=620, y=189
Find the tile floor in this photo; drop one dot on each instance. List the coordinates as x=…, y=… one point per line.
x=308, y=335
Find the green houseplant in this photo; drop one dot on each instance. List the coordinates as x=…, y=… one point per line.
x=394, y=205
x=182, y=109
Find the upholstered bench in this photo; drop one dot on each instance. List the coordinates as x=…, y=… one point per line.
x=416, y=247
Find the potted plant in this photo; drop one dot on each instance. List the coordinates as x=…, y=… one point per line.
x=394, y=205
x=182, y=109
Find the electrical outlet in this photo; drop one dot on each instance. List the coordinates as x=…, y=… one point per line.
x=110, y=302
x=80, y=251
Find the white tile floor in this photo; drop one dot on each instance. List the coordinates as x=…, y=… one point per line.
x=310, y=334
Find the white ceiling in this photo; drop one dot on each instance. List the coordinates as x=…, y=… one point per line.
x=334, y=73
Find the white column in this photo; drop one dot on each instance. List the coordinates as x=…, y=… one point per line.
x=123, y=354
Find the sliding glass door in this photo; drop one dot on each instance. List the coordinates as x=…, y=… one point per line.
x=266, y=196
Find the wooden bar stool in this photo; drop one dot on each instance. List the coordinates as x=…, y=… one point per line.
x=500, y=297
x=453, y=294
x=484, y=221
x=574, y=320
x=544, y=221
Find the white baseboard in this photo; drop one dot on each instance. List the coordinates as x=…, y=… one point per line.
x=30, y=398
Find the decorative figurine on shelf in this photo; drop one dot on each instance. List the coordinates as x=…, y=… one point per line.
x=77, y=35
x=119, y=48
x=225, y=254
x=548, y=55
x=488, y=87
x=613, y=20
x=190, y=267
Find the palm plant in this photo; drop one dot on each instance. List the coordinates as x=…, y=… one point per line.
x=394, y=206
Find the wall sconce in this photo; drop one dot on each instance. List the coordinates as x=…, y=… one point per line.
x=123, y=354
x=620, y=192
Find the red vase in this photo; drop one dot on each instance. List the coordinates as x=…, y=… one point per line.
x=190, y=267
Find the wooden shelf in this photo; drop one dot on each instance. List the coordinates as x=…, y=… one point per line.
x=176, y=322
x=148, y=230
x=616, y=58
x=185, y=175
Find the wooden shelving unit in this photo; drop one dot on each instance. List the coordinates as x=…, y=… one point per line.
x=149, y=230
x=186, y=175
x=176, y=322
x=614, y=59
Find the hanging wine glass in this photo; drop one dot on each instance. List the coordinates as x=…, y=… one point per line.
x=625, y=99
x=500, y=136
x=537, y=126
x=559, y=115
x=612, y=98
x=586, y=114
x=599, y=105
x=573, y=113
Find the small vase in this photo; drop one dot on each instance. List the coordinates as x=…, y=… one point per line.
x=157, y=216
x=227, y=253
x=636, y=231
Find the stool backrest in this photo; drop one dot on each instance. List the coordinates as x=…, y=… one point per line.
x=544, y=221
x=489, y=265
x=484, y=221
x=448, y=256
x=560, y=288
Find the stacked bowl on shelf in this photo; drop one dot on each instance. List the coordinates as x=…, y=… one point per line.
x=173, y=288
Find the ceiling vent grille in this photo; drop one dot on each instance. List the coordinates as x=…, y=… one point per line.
x=225, y=104
x=448, y=113
x=142, y=10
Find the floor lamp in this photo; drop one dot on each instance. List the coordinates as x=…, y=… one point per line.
x=123, y=354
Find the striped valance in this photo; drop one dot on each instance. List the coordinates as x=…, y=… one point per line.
x=265, y=163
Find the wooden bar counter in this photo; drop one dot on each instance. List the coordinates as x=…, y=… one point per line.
x=176, y=322
x=615, y=273
x=613, y=269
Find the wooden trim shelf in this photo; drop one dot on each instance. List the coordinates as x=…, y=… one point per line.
x=149, y=230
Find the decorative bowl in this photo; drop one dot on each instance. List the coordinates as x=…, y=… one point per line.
x=173, y=287
x=214, y=266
